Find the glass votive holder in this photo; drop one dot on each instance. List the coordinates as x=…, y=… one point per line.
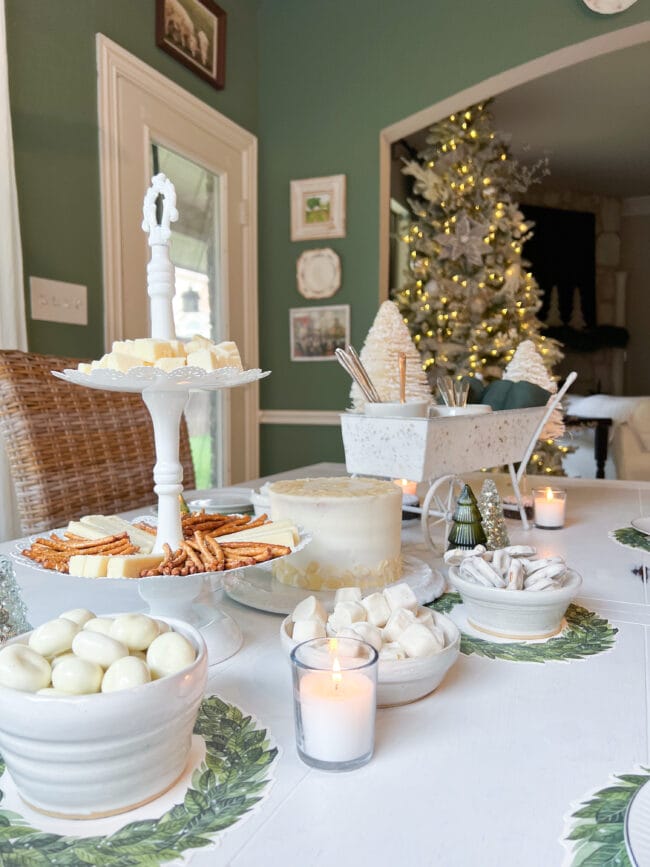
x=549, y=505
x=334, y=700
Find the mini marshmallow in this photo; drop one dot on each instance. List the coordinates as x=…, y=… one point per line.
x=54, y=637
x=418, y=641
x=77, y=676
x=125, y=673
x=23, y=668
x=99, y=624
x=398, y=621
x=309, y=609
x=425, y=617
x=169, y=653
x=345, y=614
x=304, y=630
x=392, y=652
x=136, y=631
x=98, y=648
x=377, y=609
x=368, y=633
x=347, y=594
x=80, y=616
x=400, y=596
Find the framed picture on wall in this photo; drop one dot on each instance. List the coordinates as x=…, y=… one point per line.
x=316, y=332
x=318, y=208
x=194, y=32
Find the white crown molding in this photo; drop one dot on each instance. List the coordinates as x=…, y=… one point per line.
x=636, y=206
x=318, y=417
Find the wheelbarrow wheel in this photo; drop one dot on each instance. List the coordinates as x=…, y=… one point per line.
x=437, y=511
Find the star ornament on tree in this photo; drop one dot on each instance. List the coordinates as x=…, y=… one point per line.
x=466, y=240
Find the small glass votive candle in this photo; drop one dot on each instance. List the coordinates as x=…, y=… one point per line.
x=335, y=697
x=549, y=506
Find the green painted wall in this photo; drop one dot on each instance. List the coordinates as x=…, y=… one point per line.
x=53, y=90
x=332, y=75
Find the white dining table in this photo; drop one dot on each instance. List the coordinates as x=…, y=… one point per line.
x=481, y=772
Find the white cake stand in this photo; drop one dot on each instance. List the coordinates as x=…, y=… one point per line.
x=166, y=395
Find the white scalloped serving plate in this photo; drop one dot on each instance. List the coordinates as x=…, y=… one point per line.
x=256, y=588
x=140, y=379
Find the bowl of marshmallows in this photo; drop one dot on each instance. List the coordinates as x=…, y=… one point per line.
x=416, y=646
x=98, y=712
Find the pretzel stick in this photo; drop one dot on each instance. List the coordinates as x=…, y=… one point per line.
x=191, y=553
x=206, y=555
x=217, y=550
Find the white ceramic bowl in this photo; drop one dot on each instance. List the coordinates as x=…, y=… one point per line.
x=522, y=614
x=95, y=755
x=405, y=680
x=469, y=409
x=410, y=409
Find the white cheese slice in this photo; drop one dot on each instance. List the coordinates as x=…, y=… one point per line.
x=275, y=533
x=88, y=565
x=130, y=565
x=109, y=525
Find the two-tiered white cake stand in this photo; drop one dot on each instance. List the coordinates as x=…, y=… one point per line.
x=166, y=395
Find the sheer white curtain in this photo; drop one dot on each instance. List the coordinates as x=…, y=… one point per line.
x=13, y=333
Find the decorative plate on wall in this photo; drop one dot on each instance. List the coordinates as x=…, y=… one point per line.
x=608, y=7
x=318, y=273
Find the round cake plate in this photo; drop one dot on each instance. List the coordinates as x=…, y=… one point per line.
x=257, y=588
x=637, y=827
x=641, y=525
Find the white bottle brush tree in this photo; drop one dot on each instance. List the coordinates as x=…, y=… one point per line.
x=387, y=338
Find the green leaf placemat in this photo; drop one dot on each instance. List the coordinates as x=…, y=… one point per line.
x=595, y=832
x=585, y=635
x=229, y=782
x=631, y=538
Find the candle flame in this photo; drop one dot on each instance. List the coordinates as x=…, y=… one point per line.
x=337, y=677
x=549, y=494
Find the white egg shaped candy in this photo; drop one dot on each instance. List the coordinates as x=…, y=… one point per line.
x=23, y=668
x=95, y=647
x=99, y=624
x=137, y=631
x=80, y=616
x=125, y=673
x=169, y=653
x=54, y=637
x=76, y=676
x=163, y=627
x=56, y=660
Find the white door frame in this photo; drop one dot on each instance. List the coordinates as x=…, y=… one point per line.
x=122, y=80
x=493, y=86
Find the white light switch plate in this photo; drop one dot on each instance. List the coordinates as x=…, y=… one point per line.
x=58, y=302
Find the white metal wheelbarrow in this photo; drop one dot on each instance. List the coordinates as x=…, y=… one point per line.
x=435, y=450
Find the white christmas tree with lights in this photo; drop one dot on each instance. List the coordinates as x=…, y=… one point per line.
x=387, y=338
x=470, y=298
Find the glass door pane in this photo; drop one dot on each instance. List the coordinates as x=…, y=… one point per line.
x=198, y=299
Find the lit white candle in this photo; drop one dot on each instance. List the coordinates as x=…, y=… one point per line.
x=406, y=486
x=550, y=508
x=338, y=714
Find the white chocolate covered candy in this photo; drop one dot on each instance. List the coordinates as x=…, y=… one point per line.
x=53, y=637
x=169, y=653
x=99, y=624
x=23, y=668
x=347, y=594
x=125, y=673
x=368, y=633
x=377, y=609
x=136, y=631
x=95, y=647
x=76, y=676
x=345, y=614
x=392, y=651
x=80, y=616
x=400, y=596
x=309, y=609
x=58, y=659
x=399, y=620
x=418, y=641
x=305, y=630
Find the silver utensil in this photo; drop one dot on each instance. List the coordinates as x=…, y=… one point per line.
x=360, y=368
x=461, y=391
x=348, y=366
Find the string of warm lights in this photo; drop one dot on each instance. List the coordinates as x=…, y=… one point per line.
x=468, y=297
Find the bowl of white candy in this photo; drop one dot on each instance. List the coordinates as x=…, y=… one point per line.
x=416, y=646
x=98, y=712
x=512, y=594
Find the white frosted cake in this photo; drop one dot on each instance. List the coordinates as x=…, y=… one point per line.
x=356, y=528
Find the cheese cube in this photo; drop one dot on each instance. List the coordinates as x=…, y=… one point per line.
x=198, y=342
x=228, y=354
x=178, y=348
x=203, y=358
x=120, y=362
x=150, y=349
x=171, y=363
x=82, y=367
x=123, y=346
x=88, y=565
x=130, y=565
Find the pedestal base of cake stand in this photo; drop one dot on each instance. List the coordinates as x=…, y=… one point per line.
x=177, y=597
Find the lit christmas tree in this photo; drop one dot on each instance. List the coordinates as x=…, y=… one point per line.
x=469, y=300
